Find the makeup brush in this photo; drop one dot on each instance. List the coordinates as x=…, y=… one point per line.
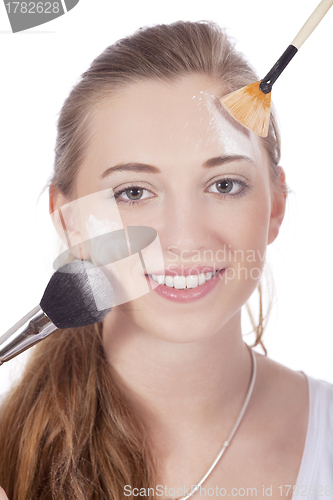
x=70, y=300
x=251, y=105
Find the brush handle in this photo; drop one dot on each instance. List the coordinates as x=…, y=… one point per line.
x=266, y=83
x=30, y=330
x=311, y=23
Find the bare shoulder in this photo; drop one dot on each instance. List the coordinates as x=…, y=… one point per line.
x=283, y=381
x=275, y=426
x=281, y=397
x=269, y=445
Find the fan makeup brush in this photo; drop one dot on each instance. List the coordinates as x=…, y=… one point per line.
x=251, y=105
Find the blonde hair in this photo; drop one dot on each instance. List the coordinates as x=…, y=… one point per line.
x=66, y=431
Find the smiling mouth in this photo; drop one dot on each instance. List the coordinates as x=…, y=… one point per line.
x=183, y=282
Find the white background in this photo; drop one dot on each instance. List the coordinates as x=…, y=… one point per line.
x=38, y=68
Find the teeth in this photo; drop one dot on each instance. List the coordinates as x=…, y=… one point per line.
x=202, y=279
x=192, y=281
x=169, y=280
x=179, y=281
x=182, y=282
x=160, y=280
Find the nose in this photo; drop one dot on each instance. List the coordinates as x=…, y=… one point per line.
x=186, y=228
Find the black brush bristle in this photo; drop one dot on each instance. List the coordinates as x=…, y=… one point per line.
x=78, y=294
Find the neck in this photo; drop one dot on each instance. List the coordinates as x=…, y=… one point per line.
x=174, y=387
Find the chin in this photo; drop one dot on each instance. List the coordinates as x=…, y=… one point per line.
x=183, y=337
x=180, y=329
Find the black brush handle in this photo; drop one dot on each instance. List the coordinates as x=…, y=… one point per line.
x=266, y=83
x=306, y=30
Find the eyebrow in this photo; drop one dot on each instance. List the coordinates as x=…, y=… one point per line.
x=143, y=167
x=133, y=167
x=220, y=160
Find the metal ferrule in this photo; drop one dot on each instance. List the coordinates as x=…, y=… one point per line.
x=30, y=330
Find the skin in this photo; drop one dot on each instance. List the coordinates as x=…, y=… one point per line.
x=184, y=368
x=3, y=495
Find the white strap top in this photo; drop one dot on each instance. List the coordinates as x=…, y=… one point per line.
x=315, y=477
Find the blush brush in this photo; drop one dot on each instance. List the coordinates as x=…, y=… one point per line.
x=251, y=105
x=77, y=294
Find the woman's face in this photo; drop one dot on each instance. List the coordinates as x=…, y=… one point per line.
x=203, y=182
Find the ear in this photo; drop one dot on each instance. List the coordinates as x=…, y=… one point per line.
x=278, y=206
x=62, y=213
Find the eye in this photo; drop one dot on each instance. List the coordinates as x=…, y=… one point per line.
x=228, y=186
x=132, y=194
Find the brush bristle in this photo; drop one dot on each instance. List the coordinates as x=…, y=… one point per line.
x=78, y=294
x=250, y=107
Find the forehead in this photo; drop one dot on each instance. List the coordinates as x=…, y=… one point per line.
x=159, y=119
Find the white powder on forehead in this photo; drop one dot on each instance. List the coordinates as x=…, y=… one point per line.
x=232, y=140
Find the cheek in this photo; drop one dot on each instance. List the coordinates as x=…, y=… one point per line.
x=257, y=223
x=243, y=230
